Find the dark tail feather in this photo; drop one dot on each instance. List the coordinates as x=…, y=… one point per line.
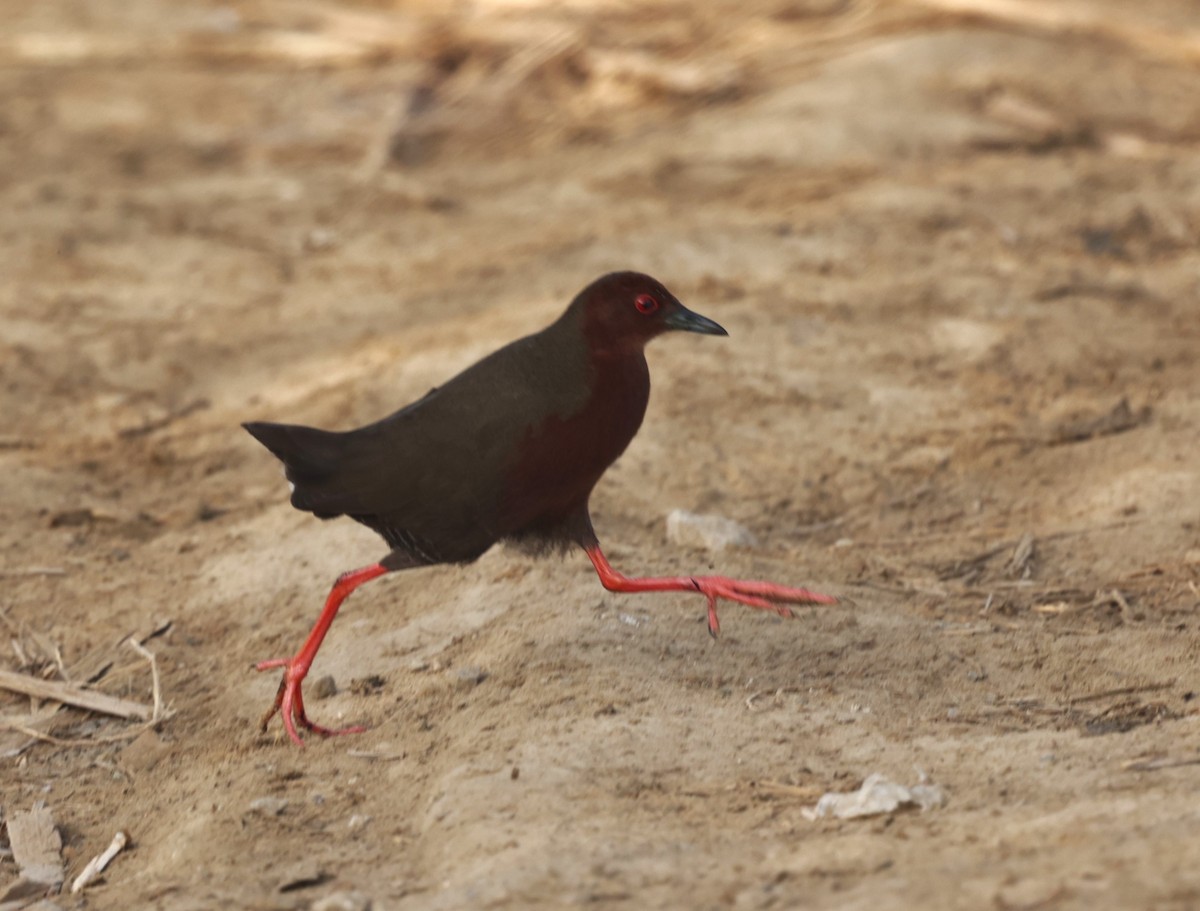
x=309, y=455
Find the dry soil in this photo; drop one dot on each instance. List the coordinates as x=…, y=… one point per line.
x=955, y=246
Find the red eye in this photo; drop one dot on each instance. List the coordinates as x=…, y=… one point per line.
x=645, y=304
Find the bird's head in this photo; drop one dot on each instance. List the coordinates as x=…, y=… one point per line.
x=622, y=311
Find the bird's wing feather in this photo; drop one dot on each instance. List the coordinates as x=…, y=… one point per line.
x=436, y=467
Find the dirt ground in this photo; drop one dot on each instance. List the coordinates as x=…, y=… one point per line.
x=955, y=246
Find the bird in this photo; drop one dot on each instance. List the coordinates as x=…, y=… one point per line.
x=509, y=450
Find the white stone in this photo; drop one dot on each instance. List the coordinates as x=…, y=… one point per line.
x=269, y=806
x=877, y=796
x=343, y=901
x=713, y=533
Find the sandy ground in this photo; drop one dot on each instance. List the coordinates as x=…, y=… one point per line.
x=957, y=256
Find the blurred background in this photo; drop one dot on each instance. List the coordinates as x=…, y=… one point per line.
x=955, y=244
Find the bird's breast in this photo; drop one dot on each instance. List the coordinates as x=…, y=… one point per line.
x=560, y=459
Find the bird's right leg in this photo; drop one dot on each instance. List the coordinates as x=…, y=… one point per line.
x=289, y=700
x=762, y=595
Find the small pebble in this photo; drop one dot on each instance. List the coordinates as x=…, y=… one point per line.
x=472, y=675
x=343, y=901
x=324, y=687
x=268, y=806
x=320, y=239
x=357, y=821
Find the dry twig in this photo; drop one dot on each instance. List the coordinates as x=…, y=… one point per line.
x=1074, y=18
x=752, y=699
x=96, y=865
x=155, y=685
x=1124, y=691
x=74, y=695
x=803, y=792
x=1154, y=763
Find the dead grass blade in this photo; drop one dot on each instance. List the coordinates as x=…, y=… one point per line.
x=76, y=696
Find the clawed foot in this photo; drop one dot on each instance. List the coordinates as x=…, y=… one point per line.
x=762, y=595
x=289, y=702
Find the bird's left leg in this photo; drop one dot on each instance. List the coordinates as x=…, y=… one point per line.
x=762, y=595
x=289, y=700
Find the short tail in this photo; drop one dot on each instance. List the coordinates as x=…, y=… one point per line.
x=307, y=453
x=310, y=458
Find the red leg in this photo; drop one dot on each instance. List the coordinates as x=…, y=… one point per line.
x=763, y=595
x=289, y=700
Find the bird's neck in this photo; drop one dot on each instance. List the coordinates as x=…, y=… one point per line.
x=617, y=377
x=619, y=392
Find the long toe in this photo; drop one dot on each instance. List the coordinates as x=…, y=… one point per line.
x=784, y=593
x=301, y=716
x=759, y=595
x=288, y=710
x=723, y=589
x=714, y=624
x=266, y=718
x=804, y=596
x=270, y=713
